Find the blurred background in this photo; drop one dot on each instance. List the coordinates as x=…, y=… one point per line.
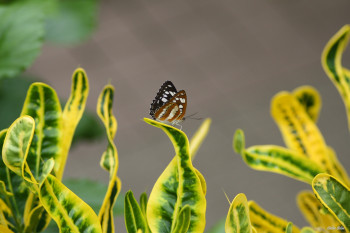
x=231, y=58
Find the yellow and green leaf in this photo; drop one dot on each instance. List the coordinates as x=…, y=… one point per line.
x=337, y=167
x=15, y=149
x=5, y=214
x=135, y=219
x=310, y=99
x=276, y=159
x=335, y=196
x=182, y=223
x=312, y=211
x=237, y=220
x=16, y=190
x=264, y=221
x=72, y=113
x=198, y=138
x=43, y=106
x=71, y=214
x=299, y=132
x=332, y=65
x=178, y=186
x=109, y=160
x=5, y=229
x=289, y=228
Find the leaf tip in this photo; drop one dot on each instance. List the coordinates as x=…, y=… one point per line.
x=239, y=141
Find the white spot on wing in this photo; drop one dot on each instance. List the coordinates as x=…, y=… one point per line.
x=182, y=100
x=173, y=112
x=164, y=100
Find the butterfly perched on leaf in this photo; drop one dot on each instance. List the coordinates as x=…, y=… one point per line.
x=169, y=105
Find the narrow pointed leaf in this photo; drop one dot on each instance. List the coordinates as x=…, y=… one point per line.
x=143, y=206
x=71, y=214
x=335, y=196
x=277, y=159
x=331, y=62
x=199, y=137
x=264, y=221
x=311, y=209
x=310, y=99
x=109, y=160
x=33, y=219
x=183, y=220
x=179, y=185
x=72, y=113
x=237, y=220
x=134, y=218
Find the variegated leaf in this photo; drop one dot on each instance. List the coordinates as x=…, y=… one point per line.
x=179, y=185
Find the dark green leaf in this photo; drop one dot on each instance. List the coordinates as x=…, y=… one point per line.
x=21, y=36
x=73, y=21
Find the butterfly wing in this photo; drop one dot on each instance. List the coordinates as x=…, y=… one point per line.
x=180, y=99
x=166, y=92
x=174, y=110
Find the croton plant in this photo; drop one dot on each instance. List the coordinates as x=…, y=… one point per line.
x=35, y=148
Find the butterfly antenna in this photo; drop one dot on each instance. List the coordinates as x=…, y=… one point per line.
x=194, y=118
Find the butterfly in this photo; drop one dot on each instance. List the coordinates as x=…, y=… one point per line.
x=169, y=105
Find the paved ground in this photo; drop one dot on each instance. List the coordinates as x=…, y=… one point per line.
x=231, y=57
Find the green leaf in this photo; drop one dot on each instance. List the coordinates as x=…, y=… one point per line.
x=289, y=227
x=277, y=159
x=12, y=95
x=182, y=223
x=71, y=214
x=143, y=206
x=73, y=21
x=179, y=185
x=238, y=141
x=21, y=36
x=134, y=218
x=335, y=196
x=237, y=220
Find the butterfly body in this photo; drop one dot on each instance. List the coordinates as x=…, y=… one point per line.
x=169, y=105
